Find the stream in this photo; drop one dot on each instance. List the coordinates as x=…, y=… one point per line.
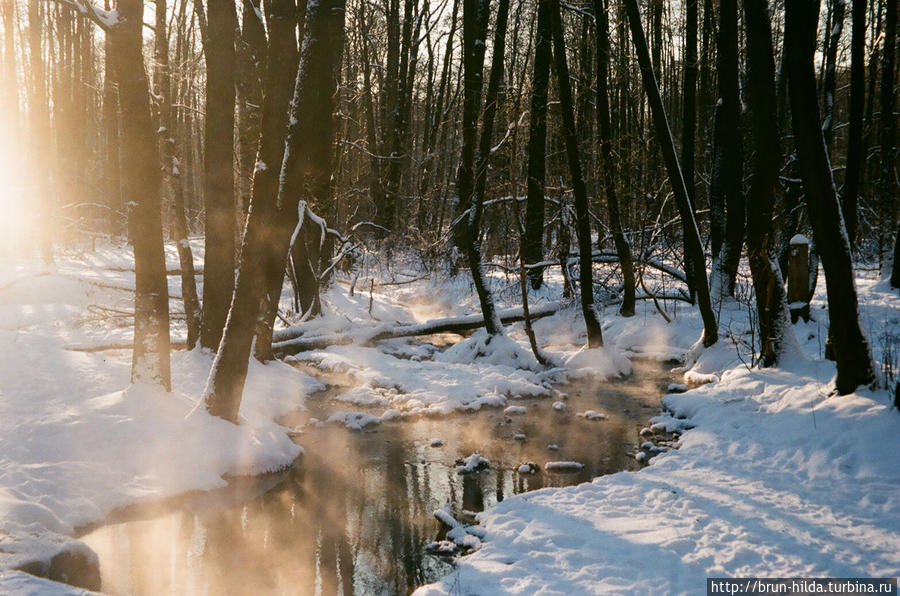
x=354, y=514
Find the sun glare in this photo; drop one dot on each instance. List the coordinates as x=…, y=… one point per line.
x=16, y=225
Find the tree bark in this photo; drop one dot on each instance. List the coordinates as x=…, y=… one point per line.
x=533, y=240
x=850, y=347
x=39, y=124
x=830, y=79
x=218, y=164
x=887, y=203
x=475, y=20
x=582, y=218
x=609, y=163
x=473, y=246
x=689, y=126
x=260, y=245
x=855, y=151
x=141, y=190
x=771, y=305
x=172, y=172
x=728, y=173
x=305, y=174
x=676, y=179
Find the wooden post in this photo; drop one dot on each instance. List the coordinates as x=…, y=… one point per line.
x=798, y=278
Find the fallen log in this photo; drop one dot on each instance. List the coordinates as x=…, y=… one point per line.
x=292, y=345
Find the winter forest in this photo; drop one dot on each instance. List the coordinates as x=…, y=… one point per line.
x=447, y=296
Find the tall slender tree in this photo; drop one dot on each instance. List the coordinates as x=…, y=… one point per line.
x=609, y=163
x=850, y=348
x=304, y=178
x=260, y=242
x=676, y=178
x=689, y=123
x=771, y=303
x=582, y=217
x=532, y=241
x=492, y=322
x=852, y=175
x=218, y=167
x=726, y=188
x=888, y=202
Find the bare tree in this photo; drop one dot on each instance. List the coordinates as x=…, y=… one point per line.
x=532, y=241
x=771, y=303
x=676, y=178
x=850, y=348
x=218, y=165
x=609, y=164
x=304, y=177
x=582, y=218
x=852, y=175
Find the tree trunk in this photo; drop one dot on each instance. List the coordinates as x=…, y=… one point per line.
x=771, y=305
x=171, y=173
x=830, y=79
x=218, y=163
x=582, y=218
x=141, y=189
x=728, y=174
x=855, y=151
x=609, y=163
x=112, y=186
x=676, y=179
x=851, y=349
x=261, y=255
x=39, y=124
x=250, y=56
x=532, y=241
x=887, y=202
x=689, y=126
x=304, y=174
x=475, y=18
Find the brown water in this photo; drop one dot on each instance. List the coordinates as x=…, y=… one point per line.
x=354, y=513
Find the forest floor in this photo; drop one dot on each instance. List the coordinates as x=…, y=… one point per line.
x=772, y=476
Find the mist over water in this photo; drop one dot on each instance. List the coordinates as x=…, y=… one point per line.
x=354, y=513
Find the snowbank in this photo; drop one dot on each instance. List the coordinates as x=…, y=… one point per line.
x=772, y=477
x=77, y=441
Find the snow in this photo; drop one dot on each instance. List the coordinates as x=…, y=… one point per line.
x=563, y=466
x=528, y=468
x=799, y=239
x=513, y=410
x=25, y=584
x=592, y=415
x=355, y=420
x=77, y=440
x=473, y=463
x=773, y=476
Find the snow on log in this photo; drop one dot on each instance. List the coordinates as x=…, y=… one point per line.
x=291, y=342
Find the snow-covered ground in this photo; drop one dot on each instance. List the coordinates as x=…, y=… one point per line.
x=77, y=442
x=774, y=476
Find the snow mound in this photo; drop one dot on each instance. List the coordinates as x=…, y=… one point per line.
x=473, y=463
x=563, y=466
x=600, y=362
x=485, y=348
x=355, y=420
x=592, y=415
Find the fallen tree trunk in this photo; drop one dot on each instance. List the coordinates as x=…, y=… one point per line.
x=290, y=342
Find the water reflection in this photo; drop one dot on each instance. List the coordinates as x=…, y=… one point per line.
x=353, y=515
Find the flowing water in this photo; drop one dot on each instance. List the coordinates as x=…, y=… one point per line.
x=354, y=513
